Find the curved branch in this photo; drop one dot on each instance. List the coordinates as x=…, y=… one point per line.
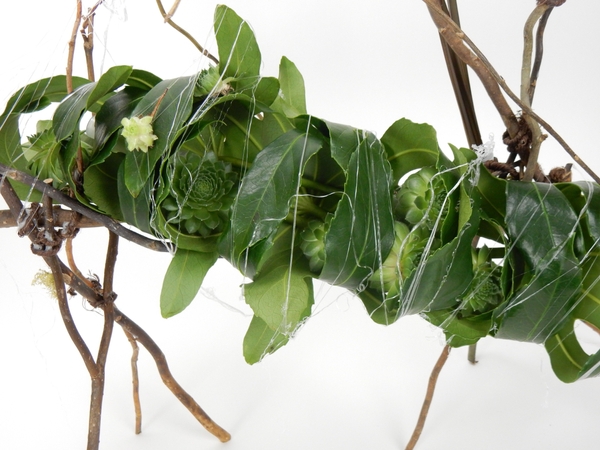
x=167, y=17
x=109, y=223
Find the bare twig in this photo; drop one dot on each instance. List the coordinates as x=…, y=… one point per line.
x=143, y=338
x=71, y=53
x=87, y=34
x=173, y=9
x=7, y=220
x=135, y=381
x=456, y=38
x=459, y=77
x=539, y=52
x=58, y=196
x=534, y=127
x=185, y=33
x=167, y=378
x=428, y=397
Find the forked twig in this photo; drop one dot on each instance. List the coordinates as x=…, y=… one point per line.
x=472, y=56
x=167, y=17
x=428, y=397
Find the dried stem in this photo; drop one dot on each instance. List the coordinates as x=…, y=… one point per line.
x=135, y=381
x=457, y=39
x=167, y=378
x=428, y=397
x=71, y=53
x=59, y=197
x=7, y=219
x=185, y=33
x=536, y=134
x=539, y=52
x=87, y=34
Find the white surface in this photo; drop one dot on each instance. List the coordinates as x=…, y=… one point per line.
x=343, y=382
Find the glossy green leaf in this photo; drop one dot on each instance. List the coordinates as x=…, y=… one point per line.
x=281, y=296
x=68, y=114
x=361, y=233
x=239, y=54
x=542, y=224
x=108, y=119
x=264, y=196
x=261, y=340
x=142, y=79
x=183, y=280
x=100, y=186
x=410, y=146
x=38, y=95
x=109, y=81
x=175, y=107
x=11, y=153
x=460, y=331
x=135, y=210
x=291, y=100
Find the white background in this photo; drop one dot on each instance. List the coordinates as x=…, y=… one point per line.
x=343, y=382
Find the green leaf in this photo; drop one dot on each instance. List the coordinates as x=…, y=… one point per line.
x=460, y=331
x=410, y=146
x=493, y=194
x=135, y=210
x=239, y=54
x=11, y=153
x=266, y=191
x=108, y=119
x=68, y=114
x=260, y=340
x=142, y=79
x=541, y=224
x=40, y=94
x=112, y=79
x=100, y=185
x=281, y=296
x=291, y=100
x=175, y=108
x=361, y=233
x=183, y=280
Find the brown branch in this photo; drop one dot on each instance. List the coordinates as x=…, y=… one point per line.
x=185, y=33
x=7, y=220
x=59, y=197
x=135, y=381
x=167, y=378
x=143, y=338
x=539, y=52
x=71, y=53
x=428, y=397
x=87, y=34
x=455, y=38
x=109, y=316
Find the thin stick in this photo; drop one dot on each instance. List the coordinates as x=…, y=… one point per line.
x=539, y=52
x=428, y=397
x=185, y=33
x=7, y=220
x=58, y=196
x=87, y=34
x=71, y=53
x=472, y=355
x=171, y=12
x=455, y=37
x=135, y=381
x=167, y=378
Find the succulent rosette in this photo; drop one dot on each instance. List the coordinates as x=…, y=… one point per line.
x=201, y=193
x=420, y=198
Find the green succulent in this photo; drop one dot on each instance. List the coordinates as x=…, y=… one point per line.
x=313, y=244
x=420, y=197
x=202, y=192
x=404, y=257
x=484, y=292
x=210, y=82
